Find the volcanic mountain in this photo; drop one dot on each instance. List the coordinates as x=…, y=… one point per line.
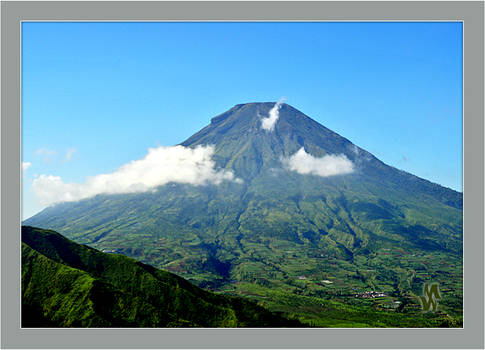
x=307, y=206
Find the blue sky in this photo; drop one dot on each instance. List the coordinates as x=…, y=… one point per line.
x=96, y=96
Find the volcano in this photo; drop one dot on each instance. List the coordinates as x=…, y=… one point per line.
x=310, y=214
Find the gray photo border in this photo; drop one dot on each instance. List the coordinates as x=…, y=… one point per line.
x=472, y=15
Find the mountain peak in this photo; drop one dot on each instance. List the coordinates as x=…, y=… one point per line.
x=257, y=103
x=252, y=136
x=249, y=117
x=250, y=109
x=248, y=120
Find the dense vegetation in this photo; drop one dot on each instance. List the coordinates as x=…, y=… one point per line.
x=290, y=241
x=65, y=284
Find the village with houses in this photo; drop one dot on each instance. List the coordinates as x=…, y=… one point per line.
x=371, y=294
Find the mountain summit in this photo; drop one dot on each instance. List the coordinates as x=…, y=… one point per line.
x=310, y=206
x=239, y=136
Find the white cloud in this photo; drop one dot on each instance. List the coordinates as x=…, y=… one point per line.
x=26, y=165
x=160, y=166
x=44, y=151
x=328, y=165
x=269, y=122
x=69, y=153
x=46, y=154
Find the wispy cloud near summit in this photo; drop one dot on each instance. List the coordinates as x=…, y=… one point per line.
x=269, y=122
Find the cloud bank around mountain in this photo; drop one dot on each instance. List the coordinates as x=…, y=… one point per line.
x=269, y=123
x=160, y=166
x=328, y=165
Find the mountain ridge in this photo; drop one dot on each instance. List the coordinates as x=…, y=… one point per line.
x=84, y=282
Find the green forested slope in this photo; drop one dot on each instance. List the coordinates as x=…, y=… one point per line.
x=65, y=284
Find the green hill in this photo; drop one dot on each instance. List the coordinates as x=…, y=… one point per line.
x=305, y=236
x=65, y=284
